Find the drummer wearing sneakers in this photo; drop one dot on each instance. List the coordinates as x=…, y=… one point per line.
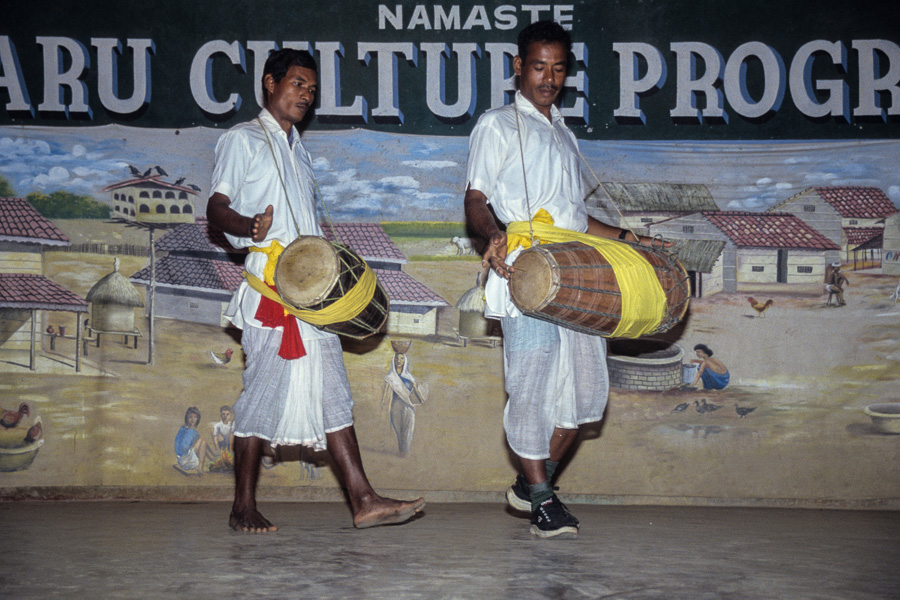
x=522, y=160
x=295, y=386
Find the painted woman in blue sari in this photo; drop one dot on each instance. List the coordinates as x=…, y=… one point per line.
x=712, y=372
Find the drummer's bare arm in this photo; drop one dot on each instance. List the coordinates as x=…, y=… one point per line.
x=220, y=214
x=601, y=229
x=482, y=222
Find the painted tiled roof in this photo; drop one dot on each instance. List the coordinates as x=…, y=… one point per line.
x=403, y=289
x=768, y=230
x=367, y=239
x=25, y=291
x=21, y=222
x=858, y=202
x=196, y=237
x=861, y=235
x=851, y=202
x=193, y=273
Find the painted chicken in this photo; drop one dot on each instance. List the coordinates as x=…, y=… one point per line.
x=759, y=307
x=222, y=359
x=35, y=432
x=11, y=418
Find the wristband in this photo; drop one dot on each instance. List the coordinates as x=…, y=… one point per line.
x=622, y=234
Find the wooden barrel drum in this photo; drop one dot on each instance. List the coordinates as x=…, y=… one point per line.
x=573, y=285
x=313, y=273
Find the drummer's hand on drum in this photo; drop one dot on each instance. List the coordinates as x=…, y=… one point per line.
x=261, y=224
x=649, y=241
x=494, y=255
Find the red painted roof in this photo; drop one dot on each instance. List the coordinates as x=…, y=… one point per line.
x=196, y=237
x=26, y=291
x=193, y=272
x=367, y=239
x=768, y=230
x=21, y=222
x=403, y=289
x=857, y=201
x=861, y=235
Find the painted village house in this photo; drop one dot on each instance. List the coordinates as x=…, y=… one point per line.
x=638, y=206
x=25, y=293
x=759, y=248
x=146, y=197
x=196, y=275
x=850, y=216
x=201, y=270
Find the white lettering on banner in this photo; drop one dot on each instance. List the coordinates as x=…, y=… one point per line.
x=436, y=82
x=689, y=86
x=329, y=92
x=388, y=109
x=12, y=79
x=708, y=86
x=441, y=18
x=108, y=51
x=870, y=84
x=56, y=80
x=201, y=77
x=630, y=85
x=503, y=79
x=736, y=80
x=803, y=88
x=877, y=81
x=578, y=113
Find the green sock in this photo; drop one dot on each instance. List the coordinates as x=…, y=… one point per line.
x=550, y=469
x=539, y=492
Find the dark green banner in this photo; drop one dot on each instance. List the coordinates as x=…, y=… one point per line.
x=672, y=69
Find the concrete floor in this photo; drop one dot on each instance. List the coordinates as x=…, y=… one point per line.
x=112, y=550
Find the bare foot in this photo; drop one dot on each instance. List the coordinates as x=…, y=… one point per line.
x=250, y=520
x=386, y=511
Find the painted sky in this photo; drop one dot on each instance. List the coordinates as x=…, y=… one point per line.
x=373, y=176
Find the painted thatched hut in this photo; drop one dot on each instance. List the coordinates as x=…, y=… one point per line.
x=113, y=300
x=472, y=322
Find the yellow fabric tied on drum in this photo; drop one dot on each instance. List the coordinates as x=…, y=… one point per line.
x=343, y=309
x=643, y=298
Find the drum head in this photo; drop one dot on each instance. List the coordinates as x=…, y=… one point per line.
x=306, y=271
x=532, y=283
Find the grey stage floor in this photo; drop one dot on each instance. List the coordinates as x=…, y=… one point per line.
x=456, y=551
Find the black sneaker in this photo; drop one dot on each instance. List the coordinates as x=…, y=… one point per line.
x=518, y=495
x=552, y=518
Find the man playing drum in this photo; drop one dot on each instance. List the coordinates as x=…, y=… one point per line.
x=523, y=159
x=295, y=384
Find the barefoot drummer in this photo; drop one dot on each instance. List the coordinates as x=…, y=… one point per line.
x=295, y=385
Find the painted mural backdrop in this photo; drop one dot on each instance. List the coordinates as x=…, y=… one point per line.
x=761, y=138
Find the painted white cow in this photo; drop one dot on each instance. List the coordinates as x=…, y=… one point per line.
x=463, y=245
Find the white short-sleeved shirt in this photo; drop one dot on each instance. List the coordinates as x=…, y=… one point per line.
x=246, y=172
x=551, y=175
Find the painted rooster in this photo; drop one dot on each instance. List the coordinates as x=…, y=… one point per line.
x=11, y=418
x=760, y=307
x=222, y=359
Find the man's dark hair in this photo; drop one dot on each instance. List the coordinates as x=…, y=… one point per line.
x=280, y=62
x=545, y=32
x=704, y=348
